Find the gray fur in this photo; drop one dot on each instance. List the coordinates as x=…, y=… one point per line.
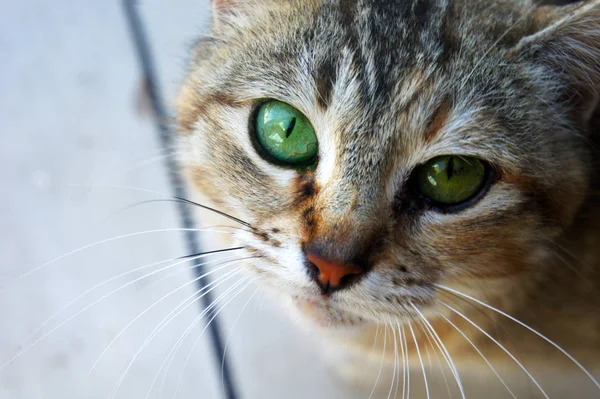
x=518, y=83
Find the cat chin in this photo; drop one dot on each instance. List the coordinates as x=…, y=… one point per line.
x=312, y=311
x=322, y=314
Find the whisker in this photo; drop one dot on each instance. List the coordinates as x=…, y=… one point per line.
x=192, y=299
x=216, y=262
x=240, y=221
x=191, y=351
x=148, y=340
x=404, y=358
x=407, y=361
x=480, y=354
x=224, y=226
x=565, y=250
x=262, y=302
x=370, y=355
x=22, y=352
x=443, y=350
x=185, y=304
x=381, y=364
x=188, y=202
x=577, y=272
x=161, y=156
x=88, y=246
x=170, y=198
x=429, y=361
x=209, y=310
x=228, y=338
x=501, y=347
x=420, y=359
x=152, y=306
x=212, y=252
x=105, y=282
x=455, y=298
x=121, y=186
x=427, y=335
x=395, y=361
x=564, y=352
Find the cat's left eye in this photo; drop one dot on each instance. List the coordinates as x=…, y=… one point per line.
x=451, y=180
x=285, y=134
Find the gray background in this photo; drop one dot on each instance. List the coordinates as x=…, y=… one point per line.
x=68, y=81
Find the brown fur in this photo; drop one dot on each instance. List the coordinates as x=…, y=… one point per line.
x=389, y=85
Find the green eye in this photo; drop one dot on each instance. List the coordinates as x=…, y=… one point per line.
x=286, y=134
x=451, y=179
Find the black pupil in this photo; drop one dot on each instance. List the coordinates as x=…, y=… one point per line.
x=290, y=128
x=450, y=168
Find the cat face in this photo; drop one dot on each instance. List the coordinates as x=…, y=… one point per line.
x=437, y=145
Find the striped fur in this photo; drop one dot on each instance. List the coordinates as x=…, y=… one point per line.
x=389, y=85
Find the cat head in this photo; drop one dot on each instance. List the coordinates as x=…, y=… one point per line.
x=378, y=148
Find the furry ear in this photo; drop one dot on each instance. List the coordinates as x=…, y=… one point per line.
x=229, y=15
x=224, y=10
x=223, y=6
x=568, y=40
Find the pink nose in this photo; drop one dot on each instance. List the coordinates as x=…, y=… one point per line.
x=331, y=275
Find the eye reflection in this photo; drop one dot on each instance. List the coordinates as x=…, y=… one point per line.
x=285, y=134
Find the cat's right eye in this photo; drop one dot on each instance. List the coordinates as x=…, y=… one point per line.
x=285, y=134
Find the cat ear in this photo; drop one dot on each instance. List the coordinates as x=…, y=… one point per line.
x=223, y=6
x=230, y=15
x=568, y=40
x=224, y=11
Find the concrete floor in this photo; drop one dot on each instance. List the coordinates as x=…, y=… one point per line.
x=68, y=78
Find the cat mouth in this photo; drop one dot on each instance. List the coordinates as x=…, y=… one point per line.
x=323, y=313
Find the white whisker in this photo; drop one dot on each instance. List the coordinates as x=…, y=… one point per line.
x=107, y=240
x=191, y=351
x=564, y=352
x=217, y=262
x=395, y=361
x=172, y=353
x=501, y=347
x=429, y=362
x=368, y=366
x=214, y=314
x=407, y=362
x=142, y=163
x=105, y=282
x=427, y=335
x=85, y=309
x=480, y=354
x=404, y=358
x=420, y=359
x=185, y=304
x=443, y=351
x=121, y=186
x=152, y=306
x=232, y=329
x=381, y=365
x=168, y=197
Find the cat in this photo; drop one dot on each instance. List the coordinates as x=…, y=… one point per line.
x=419, y=180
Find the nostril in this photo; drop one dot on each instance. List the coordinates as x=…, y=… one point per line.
x=346, y=280
x=313, y=270
x=331, y=275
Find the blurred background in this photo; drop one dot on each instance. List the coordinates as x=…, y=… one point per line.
x=74, y=153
